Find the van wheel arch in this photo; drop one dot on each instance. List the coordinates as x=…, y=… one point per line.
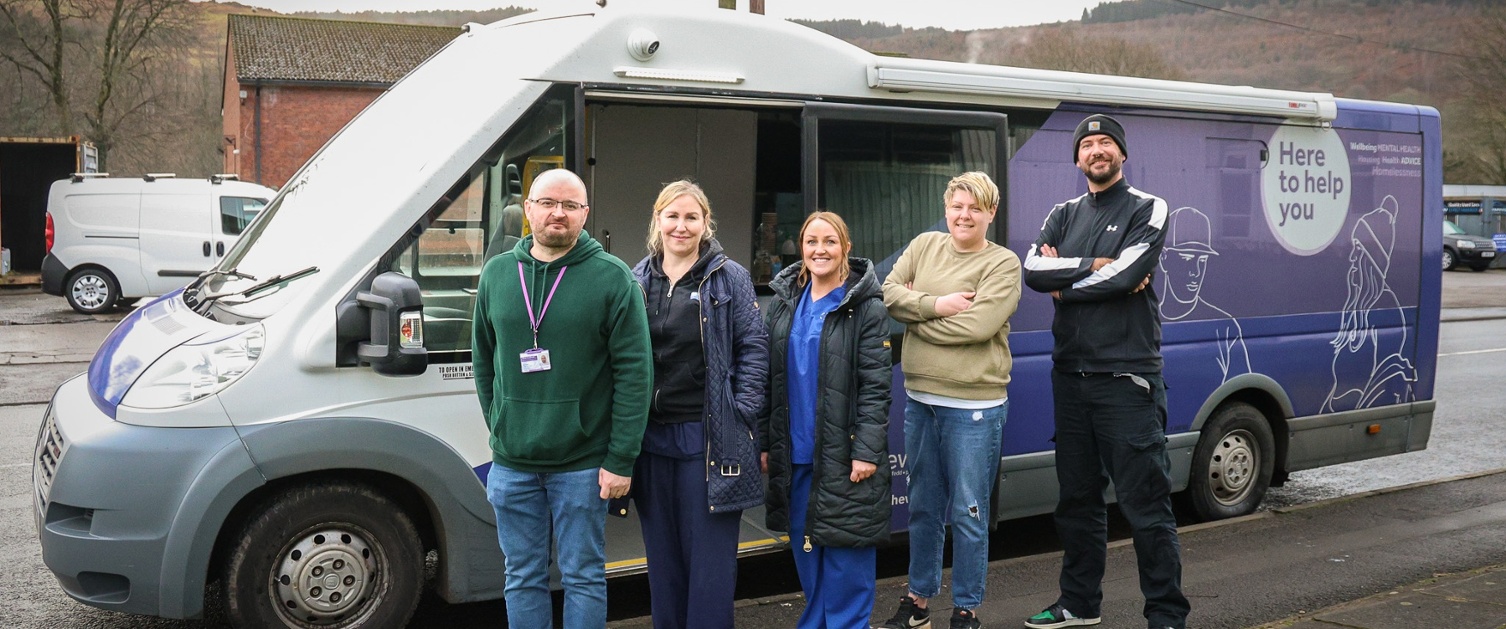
x=91, y=289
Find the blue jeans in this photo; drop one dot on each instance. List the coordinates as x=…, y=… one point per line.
x=953, y=459
x=528, y=507
x=1112, y=426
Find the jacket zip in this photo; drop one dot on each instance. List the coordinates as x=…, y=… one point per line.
x=701, y=314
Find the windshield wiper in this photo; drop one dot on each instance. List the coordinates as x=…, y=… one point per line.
x=271, y=282
x=230, y=273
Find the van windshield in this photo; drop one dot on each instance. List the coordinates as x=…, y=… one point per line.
x=364, y=192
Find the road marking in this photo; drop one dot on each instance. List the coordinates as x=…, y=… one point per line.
x=9, y=465
x=1474, y=351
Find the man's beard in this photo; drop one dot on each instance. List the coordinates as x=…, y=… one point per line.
x=1108, y=175
x=556, y=240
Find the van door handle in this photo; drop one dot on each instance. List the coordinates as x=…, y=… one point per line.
x=206, y=248
x=219, y=249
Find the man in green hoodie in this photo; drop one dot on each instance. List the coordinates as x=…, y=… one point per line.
x=563, y=366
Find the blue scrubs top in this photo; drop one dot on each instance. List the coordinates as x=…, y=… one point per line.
x=804, y=361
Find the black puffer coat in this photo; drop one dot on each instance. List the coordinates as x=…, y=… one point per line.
x=854, y=360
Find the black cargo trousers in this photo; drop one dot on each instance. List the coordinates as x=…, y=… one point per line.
x=1113, y=426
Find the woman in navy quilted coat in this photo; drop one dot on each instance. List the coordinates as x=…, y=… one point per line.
x=699, y=466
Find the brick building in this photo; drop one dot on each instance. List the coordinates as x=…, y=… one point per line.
x=292, y=83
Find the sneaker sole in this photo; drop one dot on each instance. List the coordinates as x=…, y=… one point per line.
x=924, y=625
x=1070, y=622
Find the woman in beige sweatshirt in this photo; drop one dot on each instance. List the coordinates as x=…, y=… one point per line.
x=954, y=292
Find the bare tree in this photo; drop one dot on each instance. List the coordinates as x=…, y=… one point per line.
x=101, y=62
x=1476, y=138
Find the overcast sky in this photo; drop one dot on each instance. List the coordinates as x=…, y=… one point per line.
x=952, y=14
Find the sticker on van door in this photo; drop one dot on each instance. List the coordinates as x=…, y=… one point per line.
x=460, y=371
x=1306, y=185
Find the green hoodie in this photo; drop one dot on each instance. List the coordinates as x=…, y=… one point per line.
x=590, y=408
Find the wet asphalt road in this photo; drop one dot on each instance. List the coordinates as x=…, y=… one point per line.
x=42, y=343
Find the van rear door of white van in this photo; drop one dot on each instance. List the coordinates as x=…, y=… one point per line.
x=176, y=237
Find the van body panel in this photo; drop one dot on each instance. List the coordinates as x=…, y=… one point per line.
x=151, y=522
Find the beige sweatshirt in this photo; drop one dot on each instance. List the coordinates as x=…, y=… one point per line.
x=966, y=355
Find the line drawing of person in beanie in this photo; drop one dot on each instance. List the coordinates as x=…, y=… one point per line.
x=1184, y=268
x=1368, y=369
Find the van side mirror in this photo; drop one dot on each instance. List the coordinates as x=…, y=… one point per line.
x=396, y=314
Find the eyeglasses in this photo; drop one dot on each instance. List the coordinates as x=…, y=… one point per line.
x=550, y=204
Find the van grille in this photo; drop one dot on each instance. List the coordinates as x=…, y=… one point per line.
x=44, y=464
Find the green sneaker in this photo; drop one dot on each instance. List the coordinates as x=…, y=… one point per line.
x=1057, y=616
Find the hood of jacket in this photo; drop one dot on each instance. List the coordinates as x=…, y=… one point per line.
x=862, y=282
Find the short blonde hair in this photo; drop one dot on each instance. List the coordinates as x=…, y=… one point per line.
x=844, y=239
x=975, y=183
x=672, y=191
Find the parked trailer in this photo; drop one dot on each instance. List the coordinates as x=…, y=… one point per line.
x=1299, y=288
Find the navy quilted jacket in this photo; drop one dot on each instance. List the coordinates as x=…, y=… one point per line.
x=737, y=362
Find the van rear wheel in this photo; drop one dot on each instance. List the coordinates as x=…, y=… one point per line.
x=92, y=291
x=332, y=554
x=1232, y=465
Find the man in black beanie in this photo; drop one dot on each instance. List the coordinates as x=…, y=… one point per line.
x=1094, y=257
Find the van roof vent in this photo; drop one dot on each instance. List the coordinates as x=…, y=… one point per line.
x=156, y=176
x=223, y=177
x=77, y=177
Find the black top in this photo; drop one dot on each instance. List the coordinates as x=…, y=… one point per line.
x=674, y=326
x=1101, y=325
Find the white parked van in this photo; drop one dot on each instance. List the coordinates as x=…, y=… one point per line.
x=111, y=241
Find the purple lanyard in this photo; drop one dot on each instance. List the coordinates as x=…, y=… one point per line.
x=532, y=320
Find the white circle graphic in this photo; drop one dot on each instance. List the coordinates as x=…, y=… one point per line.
x=1306, y=186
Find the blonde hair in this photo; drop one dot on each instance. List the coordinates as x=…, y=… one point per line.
x=672, y=191
x=843, y=239
x=980, y=185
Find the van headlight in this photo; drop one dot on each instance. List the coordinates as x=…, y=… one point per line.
x=196, y=370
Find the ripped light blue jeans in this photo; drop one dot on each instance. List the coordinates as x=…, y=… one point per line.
x=953, y=457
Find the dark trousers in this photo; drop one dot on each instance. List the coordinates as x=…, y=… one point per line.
x=1112, y=426
x=692, y=553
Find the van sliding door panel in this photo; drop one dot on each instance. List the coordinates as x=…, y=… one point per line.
x=174, y=231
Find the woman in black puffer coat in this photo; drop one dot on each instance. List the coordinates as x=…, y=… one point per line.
x=824, y=432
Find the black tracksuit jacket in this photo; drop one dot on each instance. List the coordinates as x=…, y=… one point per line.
x=1100, y=326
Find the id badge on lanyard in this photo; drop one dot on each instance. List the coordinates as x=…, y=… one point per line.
x=537, y=358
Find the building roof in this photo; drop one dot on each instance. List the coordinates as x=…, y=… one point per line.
x=280, y=48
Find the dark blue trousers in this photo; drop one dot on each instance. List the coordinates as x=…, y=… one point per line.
x=1113, y=426
x=692, y=553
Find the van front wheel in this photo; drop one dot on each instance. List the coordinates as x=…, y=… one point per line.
x=1232, y=465
x=330, y=554
x=92, y=291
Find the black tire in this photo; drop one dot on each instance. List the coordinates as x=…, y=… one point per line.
x=1450, y=259
x=326, y=555
x=1479, y=267
x=1231, y=467
x=92, y=291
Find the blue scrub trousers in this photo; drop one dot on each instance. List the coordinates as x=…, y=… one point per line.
x=839, y=583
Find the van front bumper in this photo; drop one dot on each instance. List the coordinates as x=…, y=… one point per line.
x=123, y=512
x=53, y=274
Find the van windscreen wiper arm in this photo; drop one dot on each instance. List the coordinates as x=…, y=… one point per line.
x=271, y=282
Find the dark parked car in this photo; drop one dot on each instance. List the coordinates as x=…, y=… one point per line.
x=1465, y=249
